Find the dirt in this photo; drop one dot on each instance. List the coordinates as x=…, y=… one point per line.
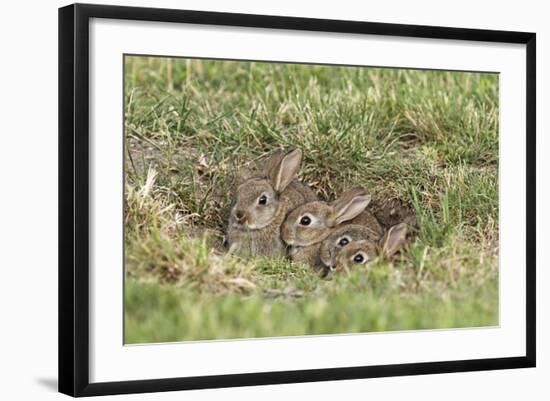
x=393, y=212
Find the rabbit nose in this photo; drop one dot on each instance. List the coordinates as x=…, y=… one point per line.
x=332, y=259
x=239, y=215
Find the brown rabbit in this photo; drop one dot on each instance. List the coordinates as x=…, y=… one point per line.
x=364, y=251
x=341, y=237
x=308, y=225
x=261, y=204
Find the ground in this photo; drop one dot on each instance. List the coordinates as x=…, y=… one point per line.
x=428, y=139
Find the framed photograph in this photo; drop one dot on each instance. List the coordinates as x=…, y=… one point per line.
x=249, y=199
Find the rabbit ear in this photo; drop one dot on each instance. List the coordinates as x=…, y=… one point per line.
x=347, y=196
x=347, y=207
x=272, y=162
x=285, y=171
x=394, y=239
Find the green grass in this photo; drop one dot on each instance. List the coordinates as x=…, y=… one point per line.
x=428, y=138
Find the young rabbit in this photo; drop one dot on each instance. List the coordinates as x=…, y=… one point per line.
x=308, y=225
x=261, y=204
x=364, y=251
x=341, y=237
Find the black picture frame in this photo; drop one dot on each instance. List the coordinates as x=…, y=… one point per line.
x=74, y=195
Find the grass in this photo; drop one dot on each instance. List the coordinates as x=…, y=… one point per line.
x=427, y=138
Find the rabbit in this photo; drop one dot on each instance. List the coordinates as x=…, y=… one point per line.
x=309, y=224
x=366, y=250
x=261, y=205
x=340, y=237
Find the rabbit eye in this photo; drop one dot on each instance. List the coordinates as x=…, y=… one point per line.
x=343, y=241
x=262, y=200
x=305, y=221
x=358, y=258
